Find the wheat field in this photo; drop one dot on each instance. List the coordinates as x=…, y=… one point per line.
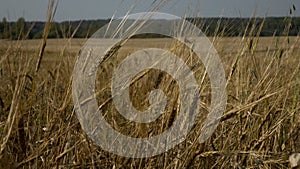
x=259, y=129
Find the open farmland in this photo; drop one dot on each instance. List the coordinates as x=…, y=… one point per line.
x=259, y=129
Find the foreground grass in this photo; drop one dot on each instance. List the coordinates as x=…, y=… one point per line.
x=259, y=129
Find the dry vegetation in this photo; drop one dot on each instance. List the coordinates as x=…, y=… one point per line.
x=259, y=129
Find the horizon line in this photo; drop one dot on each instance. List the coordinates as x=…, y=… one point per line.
x=198, y=17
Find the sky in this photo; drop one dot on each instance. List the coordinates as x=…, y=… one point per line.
x=36, y=10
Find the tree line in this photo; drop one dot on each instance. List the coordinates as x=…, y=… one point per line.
x=227, y=27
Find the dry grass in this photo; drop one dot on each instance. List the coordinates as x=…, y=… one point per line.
x=260, y=128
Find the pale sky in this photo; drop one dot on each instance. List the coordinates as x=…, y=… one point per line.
x=36, y=10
